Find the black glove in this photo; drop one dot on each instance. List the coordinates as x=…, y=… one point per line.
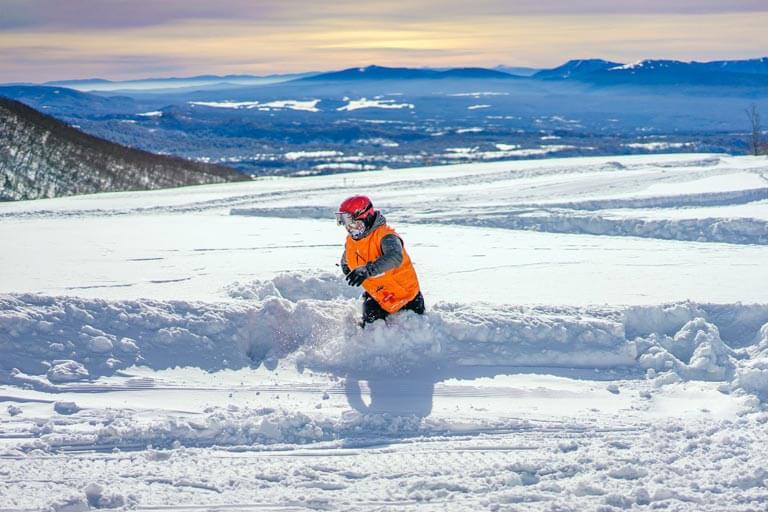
x=357, y=276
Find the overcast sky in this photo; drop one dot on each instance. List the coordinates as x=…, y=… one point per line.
x=122, y=39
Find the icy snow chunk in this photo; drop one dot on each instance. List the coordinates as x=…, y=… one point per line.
x=159, y=455
x=270, y=428
x=642, y=497
x=584, y=488
x=71, y=504
x=67, y=371
x=698, y=343
x=756, y=478
x=627, y=472
x=695, y=352
x=690, y=336
x=13, y=410
x=612, y=388
x=65, y=407
x=657, y=359
x=92, y=331
x=753, y=377
x=100, y=344
x=98, y=499
x=619, y=501
x=712, y=359
x=127, y=345
x=78, y=313
x=666, y=378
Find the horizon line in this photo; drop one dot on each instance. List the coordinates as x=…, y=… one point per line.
x=289, y=73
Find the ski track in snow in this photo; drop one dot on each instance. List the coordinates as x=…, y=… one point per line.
x=525, y=201
x=268, y=397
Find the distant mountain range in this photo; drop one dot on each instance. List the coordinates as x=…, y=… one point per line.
x=207, y=81
x=63, y=98
x=385, y=73
x=752, y=72
x=42, y=157
x=749, y=72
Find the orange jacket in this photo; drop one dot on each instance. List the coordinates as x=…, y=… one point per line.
x=394, y=288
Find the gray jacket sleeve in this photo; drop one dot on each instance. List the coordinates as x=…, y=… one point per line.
x=344, y=267
x=391, y=256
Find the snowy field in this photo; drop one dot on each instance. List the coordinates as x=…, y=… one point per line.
x=596, y=339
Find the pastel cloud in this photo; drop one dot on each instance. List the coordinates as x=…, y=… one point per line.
x=51, y=39
x=139, y=13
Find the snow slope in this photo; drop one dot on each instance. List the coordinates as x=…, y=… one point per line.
x=196, y=348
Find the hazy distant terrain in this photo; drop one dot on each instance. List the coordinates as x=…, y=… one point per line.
x=374, y=117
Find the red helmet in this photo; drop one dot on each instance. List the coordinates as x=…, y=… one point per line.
x=358, y=207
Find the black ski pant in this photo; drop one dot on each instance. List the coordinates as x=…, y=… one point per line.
x=372, y=311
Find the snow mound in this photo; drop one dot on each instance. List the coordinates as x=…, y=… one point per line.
x=311, y=320
x=695, y=351
x=556, y=220
x=752, y=377
x=66, y=408
x=295, y=286
x=598, y=217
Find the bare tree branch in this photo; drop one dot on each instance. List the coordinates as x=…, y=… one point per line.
x=756, y=130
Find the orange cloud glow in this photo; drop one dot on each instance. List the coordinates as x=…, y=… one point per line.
x=275, y=45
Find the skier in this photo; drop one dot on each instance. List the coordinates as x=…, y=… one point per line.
x=375, y=258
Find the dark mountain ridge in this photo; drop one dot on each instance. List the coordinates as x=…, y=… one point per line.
x=575, y=68
x=386, y=73
x=42, y=157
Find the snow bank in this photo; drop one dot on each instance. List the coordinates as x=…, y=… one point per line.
x=294, y=286
x=311, y=318
x=735, y=231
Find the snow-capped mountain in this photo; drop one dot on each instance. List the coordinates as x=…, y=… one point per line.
x=42, y=157
x=749, y=67
x=575, y=69
x=737, y=73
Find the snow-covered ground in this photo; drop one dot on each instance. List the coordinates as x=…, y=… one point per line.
x=596, y=339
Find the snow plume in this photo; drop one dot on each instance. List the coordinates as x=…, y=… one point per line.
x=311, y=319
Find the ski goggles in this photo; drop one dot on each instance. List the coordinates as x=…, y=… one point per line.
x=345, y=219
x=355, y=227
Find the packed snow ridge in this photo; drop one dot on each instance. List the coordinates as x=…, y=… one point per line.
x=310, y=319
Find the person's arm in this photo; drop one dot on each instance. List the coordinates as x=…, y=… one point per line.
x=391, y=256
x=344, y=267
